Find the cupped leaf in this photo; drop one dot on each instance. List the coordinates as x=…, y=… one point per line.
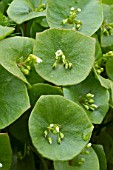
x=77, y=93
x=42, y=89
x=107, y=38
x=78, y=51
x=11, y=49
x=5, y=31
x=90, y=14
x=5, y=152
x=14, y=99
x=90, y=162
x=52, y=110
x=105, y=82
x=101, y=156
x=109, y=68
x=24, y=10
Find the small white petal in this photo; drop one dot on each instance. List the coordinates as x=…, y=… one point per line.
x=58, y=53
x=72, y=8
x=38, y=60
x=1, y=165
x=51, y=125
x=89, y=144
x=57, y=129
x=78, y=9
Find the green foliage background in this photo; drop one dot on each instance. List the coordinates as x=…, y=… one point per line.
x=56, y=85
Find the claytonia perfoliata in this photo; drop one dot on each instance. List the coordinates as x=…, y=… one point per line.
x=26, y=65
x=72, y=18
x=100, y=64
x=88, y=102
x=60, y=58
x=55, y=130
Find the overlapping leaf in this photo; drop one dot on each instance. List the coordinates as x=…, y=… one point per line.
x=5, y=152
x=11, y=49
x=5, y=31
x=101, y=97
x=77, y=48
x=24, y=10
x=90, y=162
x=14, y=99
x=91, y=14
x=74, y=123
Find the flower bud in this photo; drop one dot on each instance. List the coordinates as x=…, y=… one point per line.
x=59, y=140
x=45, y=133
x=61, y=135
x=88, y=145
x=86, y=106
x=50, y=140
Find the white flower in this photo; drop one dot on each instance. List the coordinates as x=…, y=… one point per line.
x=78, y=9
x=58, y=53
x=51, y=125
x=72, y=8
x=89, y=145
x=57, y=128
x=38, y=60
x=1, y=165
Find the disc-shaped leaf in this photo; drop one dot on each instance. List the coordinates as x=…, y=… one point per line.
x=91, y=162
x=101, y=156
x=107, y=40
x=24, y=10
x=5, y=152
x=14, y=99
x=109, y=68
x=73, y=123
x=78, y=92
x=5, y=31
x=42, y=89
x=90, y=15
x=77, y=48
x=11, y=49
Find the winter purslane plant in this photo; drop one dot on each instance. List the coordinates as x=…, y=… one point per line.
x=56, y=85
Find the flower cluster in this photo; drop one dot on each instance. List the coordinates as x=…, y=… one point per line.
x=88, y=102
x=107, y=29
x=25, y=66
x=60, y=58
x=55, y=130
x=100, y=64
x=78, y=161
x=72, y=18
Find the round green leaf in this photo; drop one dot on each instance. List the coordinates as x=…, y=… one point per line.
x=77, y=48
x=5, y=152
x=74, y=123
x=91, y=14
x=91, y=162
x=101, y=97
x=42, y=89
x=24, y=10
x=14, y=99
x=11, y=49
x=5, y=31
x=109, y=68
